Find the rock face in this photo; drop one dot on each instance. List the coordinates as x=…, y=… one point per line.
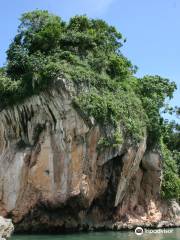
x=6, y=228
x=53, y=177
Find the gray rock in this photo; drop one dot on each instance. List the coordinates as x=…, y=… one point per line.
x=6, y=228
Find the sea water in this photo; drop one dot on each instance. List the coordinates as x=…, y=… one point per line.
x=168, y=234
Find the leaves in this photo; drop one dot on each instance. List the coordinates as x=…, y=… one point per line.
x=171, y=180
x=153, y=91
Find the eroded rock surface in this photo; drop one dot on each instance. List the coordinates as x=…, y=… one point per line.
x=53, y=177
x=6, y=228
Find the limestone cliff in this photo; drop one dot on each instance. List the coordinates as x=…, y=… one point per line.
x=53, y=177
x=6, y=228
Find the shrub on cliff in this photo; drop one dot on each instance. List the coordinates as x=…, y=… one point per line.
x=171, y=155
x=171, y=180
x=10, y=90
x=153, y=91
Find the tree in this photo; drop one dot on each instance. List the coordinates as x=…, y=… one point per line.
x=153, y=91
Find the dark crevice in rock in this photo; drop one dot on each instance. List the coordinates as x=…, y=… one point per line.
x=53, y=116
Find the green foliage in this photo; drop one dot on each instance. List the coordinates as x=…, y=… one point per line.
x=171, y=137
x=119, y=66
x=81, y=40
x=39, y=31
x=115, y=108
x=176, y=157
x=153, y=90
x=110, y=141
x=171, y=181
x=9, y=90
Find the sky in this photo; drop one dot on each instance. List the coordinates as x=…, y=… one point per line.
x=152, y=29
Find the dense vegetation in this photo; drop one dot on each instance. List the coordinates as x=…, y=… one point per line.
x=87, y=52
x=171, y=154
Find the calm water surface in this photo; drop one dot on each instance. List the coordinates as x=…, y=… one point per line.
x=175, y=235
